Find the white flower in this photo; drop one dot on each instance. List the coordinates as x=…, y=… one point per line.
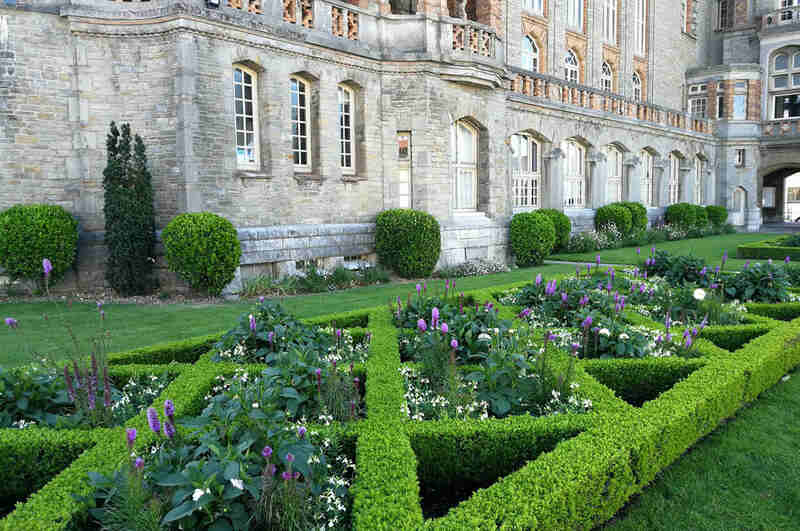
x=605, y=332
x=238, y=483
x=484, y=337
x=699, y=294
x=255, y=405
x=623, y=336
x=198, y=493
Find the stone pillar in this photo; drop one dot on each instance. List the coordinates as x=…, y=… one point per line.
x=598, y=180
x=553, y=196
x=687, y=180
x=632, y=179
x=190, y=198
x=708, y=184
x=661, y=181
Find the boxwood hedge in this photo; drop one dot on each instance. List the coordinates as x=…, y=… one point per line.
x=564, y=472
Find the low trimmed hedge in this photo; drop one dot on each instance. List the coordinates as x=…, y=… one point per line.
x=768, y=249
x=563, y=472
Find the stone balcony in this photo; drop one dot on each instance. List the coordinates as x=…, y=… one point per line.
x=787, y=19
x=551, y=89
x=778, y=130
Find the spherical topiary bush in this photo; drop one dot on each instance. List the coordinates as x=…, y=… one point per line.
x=700, y=217
x=31, y=233
x=532, y=237
x=616, y=214
x=562, y=225
x=717, y=215
x=408, y=241
x=681, y=215
x=638, y=212
x=203, y=249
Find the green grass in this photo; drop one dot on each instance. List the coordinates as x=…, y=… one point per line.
x=134, y=325
x=710, y=249
x=742, y=476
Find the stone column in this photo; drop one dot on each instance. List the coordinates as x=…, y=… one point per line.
x=553, y=196
x=632, y=180
x=661, y=181
x=687, y=181
x=598, y=180
x=708, y=184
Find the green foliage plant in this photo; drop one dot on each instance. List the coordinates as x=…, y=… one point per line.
x=563, y=226
x=408, y=241
x=203, y=249
x=638, y=212
x=682, y=215
x=717, y=215
x=616, y=214
x=30, y=234
x=532, y=237
x=129, y=214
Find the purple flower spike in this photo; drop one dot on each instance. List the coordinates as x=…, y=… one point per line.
x=99, y=305
x=266, y=452
x=454, y=344
x=130, y=436
x=445, y=328
x=286, y=475
x=422, y=325
x=169, y=430
x=289, y=458
x=169, y=409
x=261, y=299
x=252, y=323
x=598, y=260
x=747, y=264
x=11, y=322
x=563, y=297
x=271, y=469
x=435, y=314
x=688, y=343
x=419, y=289
x=152, y=420
x=587, y=322
x=301, y=432
x=139, y=463
x=724, y=257
x=787, y=260
x=270, y=336
x=639, y=250
x=47, y=266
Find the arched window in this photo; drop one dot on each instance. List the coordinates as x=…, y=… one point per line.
x=648, y=189
x=347, y=155
x=785, y=84
x=571, y=66
x=464, y=158
x=607, y=78
x=699, y=181
x=574, y=175
x=525, y=171
x=637, y=87
x=530, y=55
x=301, y=140
x=674, y=179
x=245, y=102
x=614, y=170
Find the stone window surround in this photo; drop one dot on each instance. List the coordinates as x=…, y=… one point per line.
x=791, y=73
x=348, y=148
x=254, y=117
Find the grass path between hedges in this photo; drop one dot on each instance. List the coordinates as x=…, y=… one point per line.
x=711, y=249
x=133, y=325
x=744, y=475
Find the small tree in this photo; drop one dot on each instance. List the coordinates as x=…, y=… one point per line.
x=129, y=213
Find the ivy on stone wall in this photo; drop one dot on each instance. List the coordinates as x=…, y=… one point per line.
x=129, y=214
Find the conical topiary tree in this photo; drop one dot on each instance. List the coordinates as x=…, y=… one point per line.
x=129, y=213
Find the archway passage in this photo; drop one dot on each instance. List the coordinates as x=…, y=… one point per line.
x=780, y=199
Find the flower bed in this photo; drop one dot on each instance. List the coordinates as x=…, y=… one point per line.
x=774, y=249
x=558, y=471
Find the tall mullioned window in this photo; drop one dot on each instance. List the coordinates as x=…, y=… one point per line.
x=246, y=117
x=640, y=27
x=637, y=87
x=607, y=78
x=530, y=55
x=724, y=15
x=301, y=142
x=347, y=154
x=575, y=15
x=610, y=21
x=614, y=167
x=785, y=84
x=525, y=171
x=698, y=100
x=699, y=181
x=575, y=175
x=674, y=179
x=648, y=188
x=464, y=160
x=571, y=67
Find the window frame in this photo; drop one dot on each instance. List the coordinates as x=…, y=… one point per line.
x=741, y=157
x=636, y=79
x=526, y=184
x=722, y=13
x=534, y=6
x=575, y=15
x=533, y=55
x=256, y=163
x=640, y=28
x=295, y=133
x=574, y=174
x=699, y=181
x=615, y=158
x=458, y=165
x=570, y=69
x=791, y=73
x=647, y=185
x=607, y=77
x=610, y=22
x=674, y=182
x=351, y=114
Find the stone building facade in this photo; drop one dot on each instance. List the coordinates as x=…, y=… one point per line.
x=301, y=120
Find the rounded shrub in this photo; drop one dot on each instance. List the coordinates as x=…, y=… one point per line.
x=31, y=233
x=681, y=215
x=700, y=217
x=717, y=215
x=533, y=236
x=408, y=241
x=562, y=224
x=638, y=212
x=616, y=214
x=203, y=249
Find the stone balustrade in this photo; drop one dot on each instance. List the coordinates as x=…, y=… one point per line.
x=473, y=38
x=781, y=17
x=558, y=90
x=781, y=128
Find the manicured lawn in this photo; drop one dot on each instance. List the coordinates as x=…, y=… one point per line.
x=742, y=476
x=711, y=249
x=132, y=325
